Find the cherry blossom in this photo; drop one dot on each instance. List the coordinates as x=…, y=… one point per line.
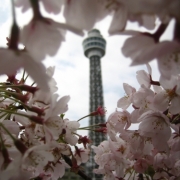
x=51, y=7
x=70, y=128
x=143, y=77
x=155, y=126
x=92, y=11
x=11, y=61
x=143, y=99
x=81, y=155
x=154, y=7
x=53, y=35
x=147, y=49
x=174, y=141
x=119, y=120
x=169, y=97
x=126, y=100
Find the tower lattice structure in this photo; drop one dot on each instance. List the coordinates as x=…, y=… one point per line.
x=94, y=49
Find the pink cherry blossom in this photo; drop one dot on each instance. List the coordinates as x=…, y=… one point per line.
x=152, y=7
x=141, y=165
x=143, y=99
x=52, y=6
x=174, y=141
x=168, y=98
x=143, y=77
x=136, y=143
x=126, y=100
x=119, y=20
x=41, y=32
x=11, y=61
x=156, y=126
x=14, y=171
x=58, y=170
x=81, y=155
x=161, y=174
x=176, y=169
x=70, y=128
x=147, y=50
x=161, y=160
x=119, y=120
x=92, y=11
x=37, y=157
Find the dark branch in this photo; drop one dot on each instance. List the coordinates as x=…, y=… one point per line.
x=80, y=173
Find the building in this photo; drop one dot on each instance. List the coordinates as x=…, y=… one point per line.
x=94, y=49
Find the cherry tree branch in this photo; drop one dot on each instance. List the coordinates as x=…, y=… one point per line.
x=80, y=173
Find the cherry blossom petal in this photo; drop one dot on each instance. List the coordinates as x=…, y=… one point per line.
x=12, y=126
x=133, y=49
x=59, y=170
x=161, y=101
x=46, y=35
x=42, y=38
x=174, y=106
x=61, y=106
x=119, y=21
x=25, y=4
x=128, y=89
x=52, y=6
x=155, y=124
x=37, y=71
x=9, y=61
x=124, y=103
x=143, y=78
x=92, y=12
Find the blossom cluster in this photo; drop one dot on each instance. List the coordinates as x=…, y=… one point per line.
x=36, y=139
x=152, y=150
x=38, y=142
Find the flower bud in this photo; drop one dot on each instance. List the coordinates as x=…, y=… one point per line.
x=20, y=146
x=27, y=88
x=37, y=119
x=99, y=111
x=102, y=130
x=39, y=111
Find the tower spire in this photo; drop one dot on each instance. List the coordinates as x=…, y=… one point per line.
x=94, y=49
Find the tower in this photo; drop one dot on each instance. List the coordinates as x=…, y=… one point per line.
x=94, y=49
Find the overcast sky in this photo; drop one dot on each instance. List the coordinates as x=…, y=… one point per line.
x=72, y=67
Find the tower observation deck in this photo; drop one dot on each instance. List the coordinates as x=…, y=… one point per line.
x=94, y=49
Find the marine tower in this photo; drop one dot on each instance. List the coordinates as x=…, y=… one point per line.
x=94, y=49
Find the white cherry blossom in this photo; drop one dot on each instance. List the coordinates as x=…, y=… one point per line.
x=125, y=101
x=37, y=157
x=143, y=99
x=44, y=34
x=147, y=50
x=159, y=8
x=119, y=121
x=11, y=61
x=143, y=77
x=169, y=97
x=70, y=128
x=156, y=126
x=52, y=6
x=174, y=141
x=92, y=11
x=82, y=155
